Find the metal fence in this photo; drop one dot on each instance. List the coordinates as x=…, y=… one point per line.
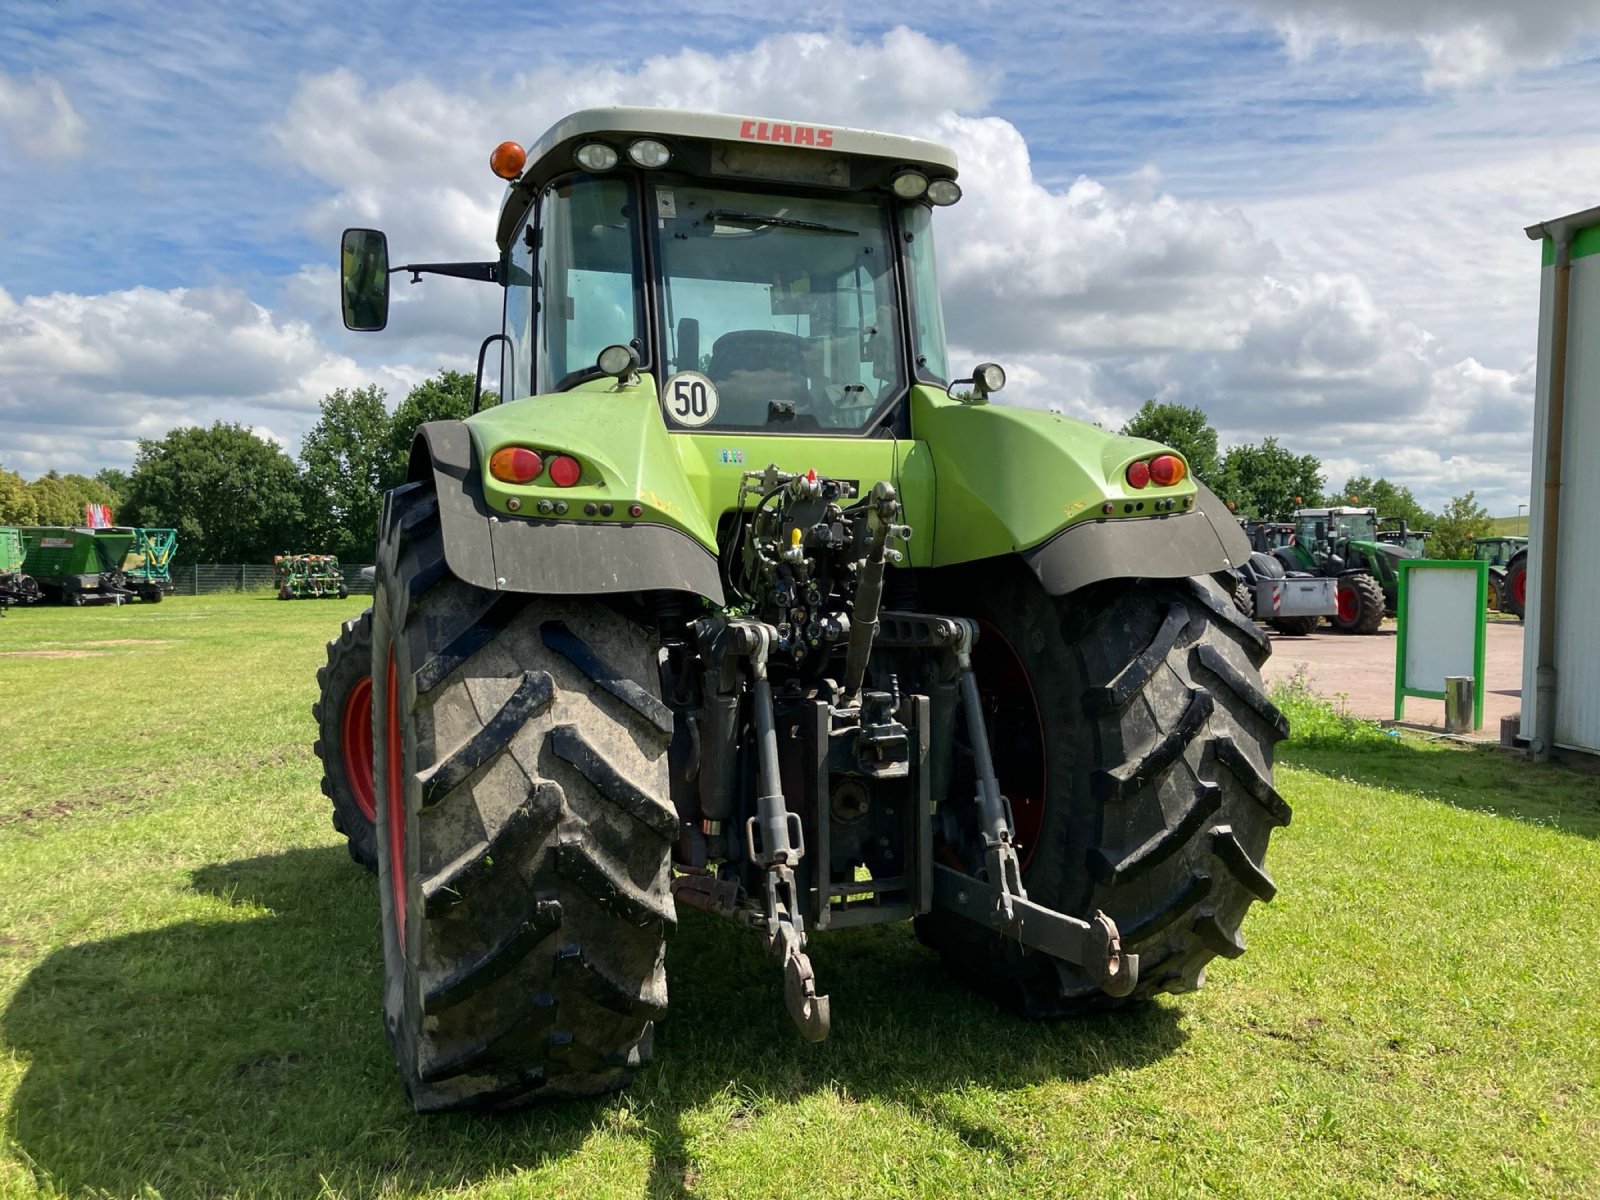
x=204, y=579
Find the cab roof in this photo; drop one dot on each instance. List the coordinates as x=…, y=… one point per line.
x=731, y=147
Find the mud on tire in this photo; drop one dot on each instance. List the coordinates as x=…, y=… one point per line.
x=343, y=713
x=1158, y=799
x=521, y=750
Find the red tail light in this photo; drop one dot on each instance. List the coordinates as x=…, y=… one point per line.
x=515, y=464
x=564, y=470
x=1138, y=474
x=1166, y=470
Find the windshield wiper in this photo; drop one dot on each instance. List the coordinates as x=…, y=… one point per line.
x=744, y=218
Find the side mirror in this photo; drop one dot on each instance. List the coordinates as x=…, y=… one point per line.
x=364, y=279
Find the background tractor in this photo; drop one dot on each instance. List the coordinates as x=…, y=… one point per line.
x=1500, y=553
x=1262, y=590
x=747, y=602
x=1342, y=544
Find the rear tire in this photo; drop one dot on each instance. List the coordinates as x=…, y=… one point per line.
x=1296, y=626
x=343, y=713
x=1515, y=588
x=523, y=833
x=1156, y=798
x=1360, y=600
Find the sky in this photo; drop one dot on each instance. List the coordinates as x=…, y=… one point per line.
x=1305, y=218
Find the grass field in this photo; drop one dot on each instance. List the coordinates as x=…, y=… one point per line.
x=189, y=985
x=1510, y=526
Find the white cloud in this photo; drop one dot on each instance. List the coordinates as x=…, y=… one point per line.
x=82, y=378
x=39, y=119
x=1348, y=318
x=1465, y=41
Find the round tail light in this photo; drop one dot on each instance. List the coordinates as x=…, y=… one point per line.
x=1166, y=470
x=564, y=470
x=515, y=464
x=1138, y=474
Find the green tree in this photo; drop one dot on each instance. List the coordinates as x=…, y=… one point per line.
x=1391, y=500
x=1461, y=520
x=343, y=459
x=1186, y=429
x=17, y=505
x=231, y=496
x=1268, y=482
x=115, y=481
x=445, y=397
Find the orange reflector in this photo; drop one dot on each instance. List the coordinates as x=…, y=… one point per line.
x=508, y=160
x=1138, y=474
x=515, y=464
x=564, y=470
x=1166, y=470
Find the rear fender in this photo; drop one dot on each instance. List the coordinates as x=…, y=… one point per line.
x=1202, y=541
x=503, y=553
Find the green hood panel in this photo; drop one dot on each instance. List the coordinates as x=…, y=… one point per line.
x=1008, y=479
x=683, y=480
x=978, y=480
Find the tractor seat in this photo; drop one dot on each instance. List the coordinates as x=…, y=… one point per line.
x=752, y=367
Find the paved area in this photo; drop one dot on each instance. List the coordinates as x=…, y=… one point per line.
x=1361, y=671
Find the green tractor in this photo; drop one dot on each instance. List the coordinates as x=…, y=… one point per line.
x=747, y=602
x=1506, y=594
x=1343, y=544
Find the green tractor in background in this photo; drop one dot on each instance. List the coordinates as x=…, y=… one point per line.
x=747, y=602
x=1343, y=543
x=1508, y=591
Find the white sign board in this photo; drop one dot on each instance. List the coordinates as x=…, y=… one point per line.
x=1442, y=614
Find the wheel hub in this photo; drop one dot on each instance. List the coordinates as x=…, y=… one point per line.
x=355, y=729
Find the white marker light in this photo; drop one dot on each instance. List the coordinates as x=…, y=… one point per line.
x=649, y=153
x=596, y=156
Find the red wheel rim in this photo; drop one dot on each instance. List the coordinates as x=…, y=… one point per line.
x=396, y=801
x=1519, y=588
x=356, y=737
x=1016, y=734
x=1349, y=604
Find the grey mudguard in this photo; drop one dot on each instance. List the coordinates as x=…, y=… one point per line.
x=512, y=554
x=1200, y=541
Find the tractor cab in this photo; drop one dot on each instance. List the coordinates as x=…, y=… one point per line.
x=1496, y=551
x=771, y=277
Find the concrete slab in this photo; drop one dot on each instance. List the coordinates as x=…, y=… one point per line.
x=1360, y=672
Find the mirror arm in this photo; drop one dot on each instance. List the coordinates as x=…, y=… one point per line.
x=484, y=272
x=477, y=387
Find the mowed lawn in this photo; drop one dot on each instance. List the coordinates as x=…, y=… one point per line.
x=189, y=985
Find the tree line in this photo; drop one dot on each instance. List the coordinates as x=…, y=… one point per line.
x=235, y=497
x=1267, y=482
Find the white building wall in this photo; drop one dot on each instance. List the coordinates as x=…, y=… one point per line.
x=1577, y=644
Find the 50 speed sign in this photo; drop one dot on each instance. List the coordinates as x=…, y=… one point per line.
x=691, y=399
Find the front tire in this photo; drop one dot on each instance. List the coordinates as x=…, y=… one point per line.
x=1140, y=767
x=520, y=746
x=343, y=713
